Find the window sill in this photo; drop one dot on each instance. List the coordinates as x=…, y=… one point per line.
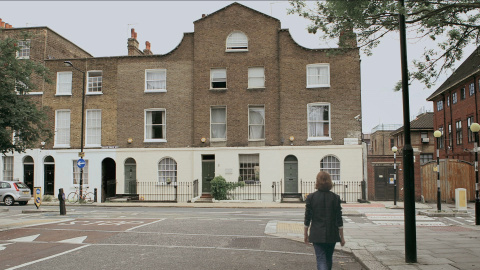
x=94, y=94
x=318, y=86
x=319, y=139
x=236, y=50
x=63, y=95
x=34, y=93
x=156, y=91
x=256, y=89
x=93, y=146
x=154, y=141
x=165, y=184
x=61, y=146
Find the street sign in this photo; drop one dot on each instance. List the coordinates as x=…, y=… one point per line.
x=81, y=154
x=81, y=163
x=37, y=192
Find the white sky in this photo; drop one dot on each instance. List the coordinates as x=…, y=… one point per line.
x=102, y=29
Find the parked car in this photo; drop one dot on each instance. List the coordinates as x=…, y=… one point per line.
x=11, y=192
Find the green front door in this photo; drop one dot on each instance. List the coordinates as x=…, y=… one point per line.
x=291, y=174
x=208, y=173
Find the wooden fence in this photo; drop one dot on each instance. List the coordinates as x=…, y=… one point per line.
x=453, y=174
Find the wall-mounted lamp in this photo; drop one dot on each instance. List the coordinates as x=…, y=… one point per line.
x=203, y=139
x=43, y=144
x=291, y=140
x=129, y=140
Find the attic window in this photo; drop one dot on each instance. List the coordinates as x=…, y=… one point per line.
x=237, y=41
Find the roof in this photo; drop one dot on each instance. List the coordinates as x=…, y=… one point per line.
x=232, y=4
x=422, y=122
x=469, y=67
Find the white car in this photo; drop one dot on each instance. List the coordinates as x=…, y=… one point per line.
x=11, y=192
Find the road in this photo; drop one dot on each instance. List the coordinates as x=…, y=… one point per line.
x=154, y=238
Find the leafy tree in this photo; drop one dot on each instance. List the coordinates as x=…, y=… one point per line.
x=19, y=115
x=450, y=24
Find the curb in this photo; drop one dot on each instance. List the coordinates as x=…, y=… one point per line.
x=435, y=213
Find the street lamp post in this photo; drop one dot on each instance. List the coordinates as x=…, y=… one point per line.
x=81, y=154
x=437, y=134
x=475, y=127
x=394, y=149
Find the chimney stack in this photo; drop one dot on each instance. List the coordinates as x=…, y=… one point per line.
x=132, y=44
x=147, y=50
x=347, y=39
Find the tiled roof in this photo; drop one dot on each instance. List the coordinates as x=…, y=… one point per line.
x=422, y=122
x=465, y=70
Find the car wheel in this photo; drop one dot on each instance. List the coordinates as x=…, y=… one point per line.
x=8, y=200
x=22, y=203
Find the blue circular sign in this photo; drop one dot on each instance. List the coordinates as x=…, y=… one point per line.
x=81, y=163
x=38, y=191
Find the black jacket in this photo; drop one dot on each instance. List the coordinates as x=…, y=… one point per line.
x=323, y=213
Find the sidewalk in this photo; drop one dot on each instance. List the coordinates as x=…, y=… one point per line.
x=376, y=247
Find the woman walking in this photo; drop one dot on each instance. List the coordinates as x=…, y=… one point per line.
x=323, y=214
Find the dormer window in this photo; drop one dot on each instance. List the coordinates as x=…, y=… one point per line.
x=237, y=42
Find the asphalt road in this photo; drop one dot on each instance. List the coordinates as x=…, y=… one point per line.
x=155, y=238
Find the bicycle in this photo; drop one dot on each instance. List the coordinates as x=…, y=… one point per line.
x=74, y=196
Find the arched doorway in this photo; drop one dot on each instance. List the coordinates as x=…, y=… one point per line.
x=49, y=175
x=130, y=176
x=28, y=171
x=290, y=172
x=109, y=179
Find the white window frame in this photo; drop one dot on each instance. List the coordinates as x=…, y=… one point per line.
x=254, y=77
x=250, y=108
x=94, y=80
x=24, y=49
x=164, y=80
x=65, y=128
x=217, y=123
x=316, y=85
x=218, y=79
x=76, y=174
x=250, y=171
x=334, y=171
x=67, y=85
x=93, y=128
x=321, y=138
x=146, y=125
x=236, y=41
x=439, y=105
x=167, y=170
x=7, y=171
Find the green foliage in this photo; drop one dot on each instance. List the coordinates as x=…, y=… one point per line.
x=451, y=24
x=220, y=187
x=18, y=112
x=47, y=198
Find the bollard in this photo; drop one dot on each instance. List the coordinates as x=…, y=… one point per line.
x=95, y=195
x=61, y=200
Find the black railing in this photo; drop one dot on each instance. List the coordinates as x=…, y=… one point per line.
x=163, y=192
x=250, y=191
x=349, y=191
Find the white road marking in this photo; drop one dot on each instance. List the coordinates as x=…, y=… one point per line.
x=76, y=240
x=133, y=228
x=46, y=258
x=2, y=246
x=451, y=219
x=29, y=238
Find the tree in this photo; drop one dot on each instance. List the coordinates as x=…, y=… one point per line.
x=22, y=122
x=450, y=24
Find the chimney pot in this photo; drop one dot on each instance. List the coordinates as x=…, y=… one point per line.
x=7, y=26
x=203, y=15
x=132, y=33
x=2, y=24
x=147, y=45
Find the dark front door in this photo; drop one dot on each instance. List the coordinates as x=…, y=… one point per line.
x=28, y=175
x=109, y=179
x=291, y=174
x=130, y=179
x=384, y=183
x=208, y=172
x=49, y=179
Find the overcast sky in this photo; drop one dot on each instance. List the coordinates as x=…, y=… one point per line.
x=102, y=29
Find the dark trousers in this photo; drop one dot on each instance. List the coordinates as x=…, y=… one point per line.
x=324, y=253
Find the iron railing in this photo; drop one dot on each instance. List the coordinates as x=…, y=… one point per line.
x=250, y=191
x=349, y=191
x=162, y=192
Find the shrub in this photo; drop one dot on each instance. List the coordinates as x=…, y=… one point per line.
x=220, y=187
x=47, y=198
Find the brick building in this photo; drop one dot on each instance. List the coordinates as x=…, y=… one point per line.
x=238, y=97
x=381, y=160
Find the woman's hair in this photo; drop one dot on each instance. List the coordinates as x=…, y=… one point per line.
x=324, y=181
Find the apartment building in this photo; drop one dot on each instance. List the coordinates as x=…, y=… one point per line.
x=238, y=97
